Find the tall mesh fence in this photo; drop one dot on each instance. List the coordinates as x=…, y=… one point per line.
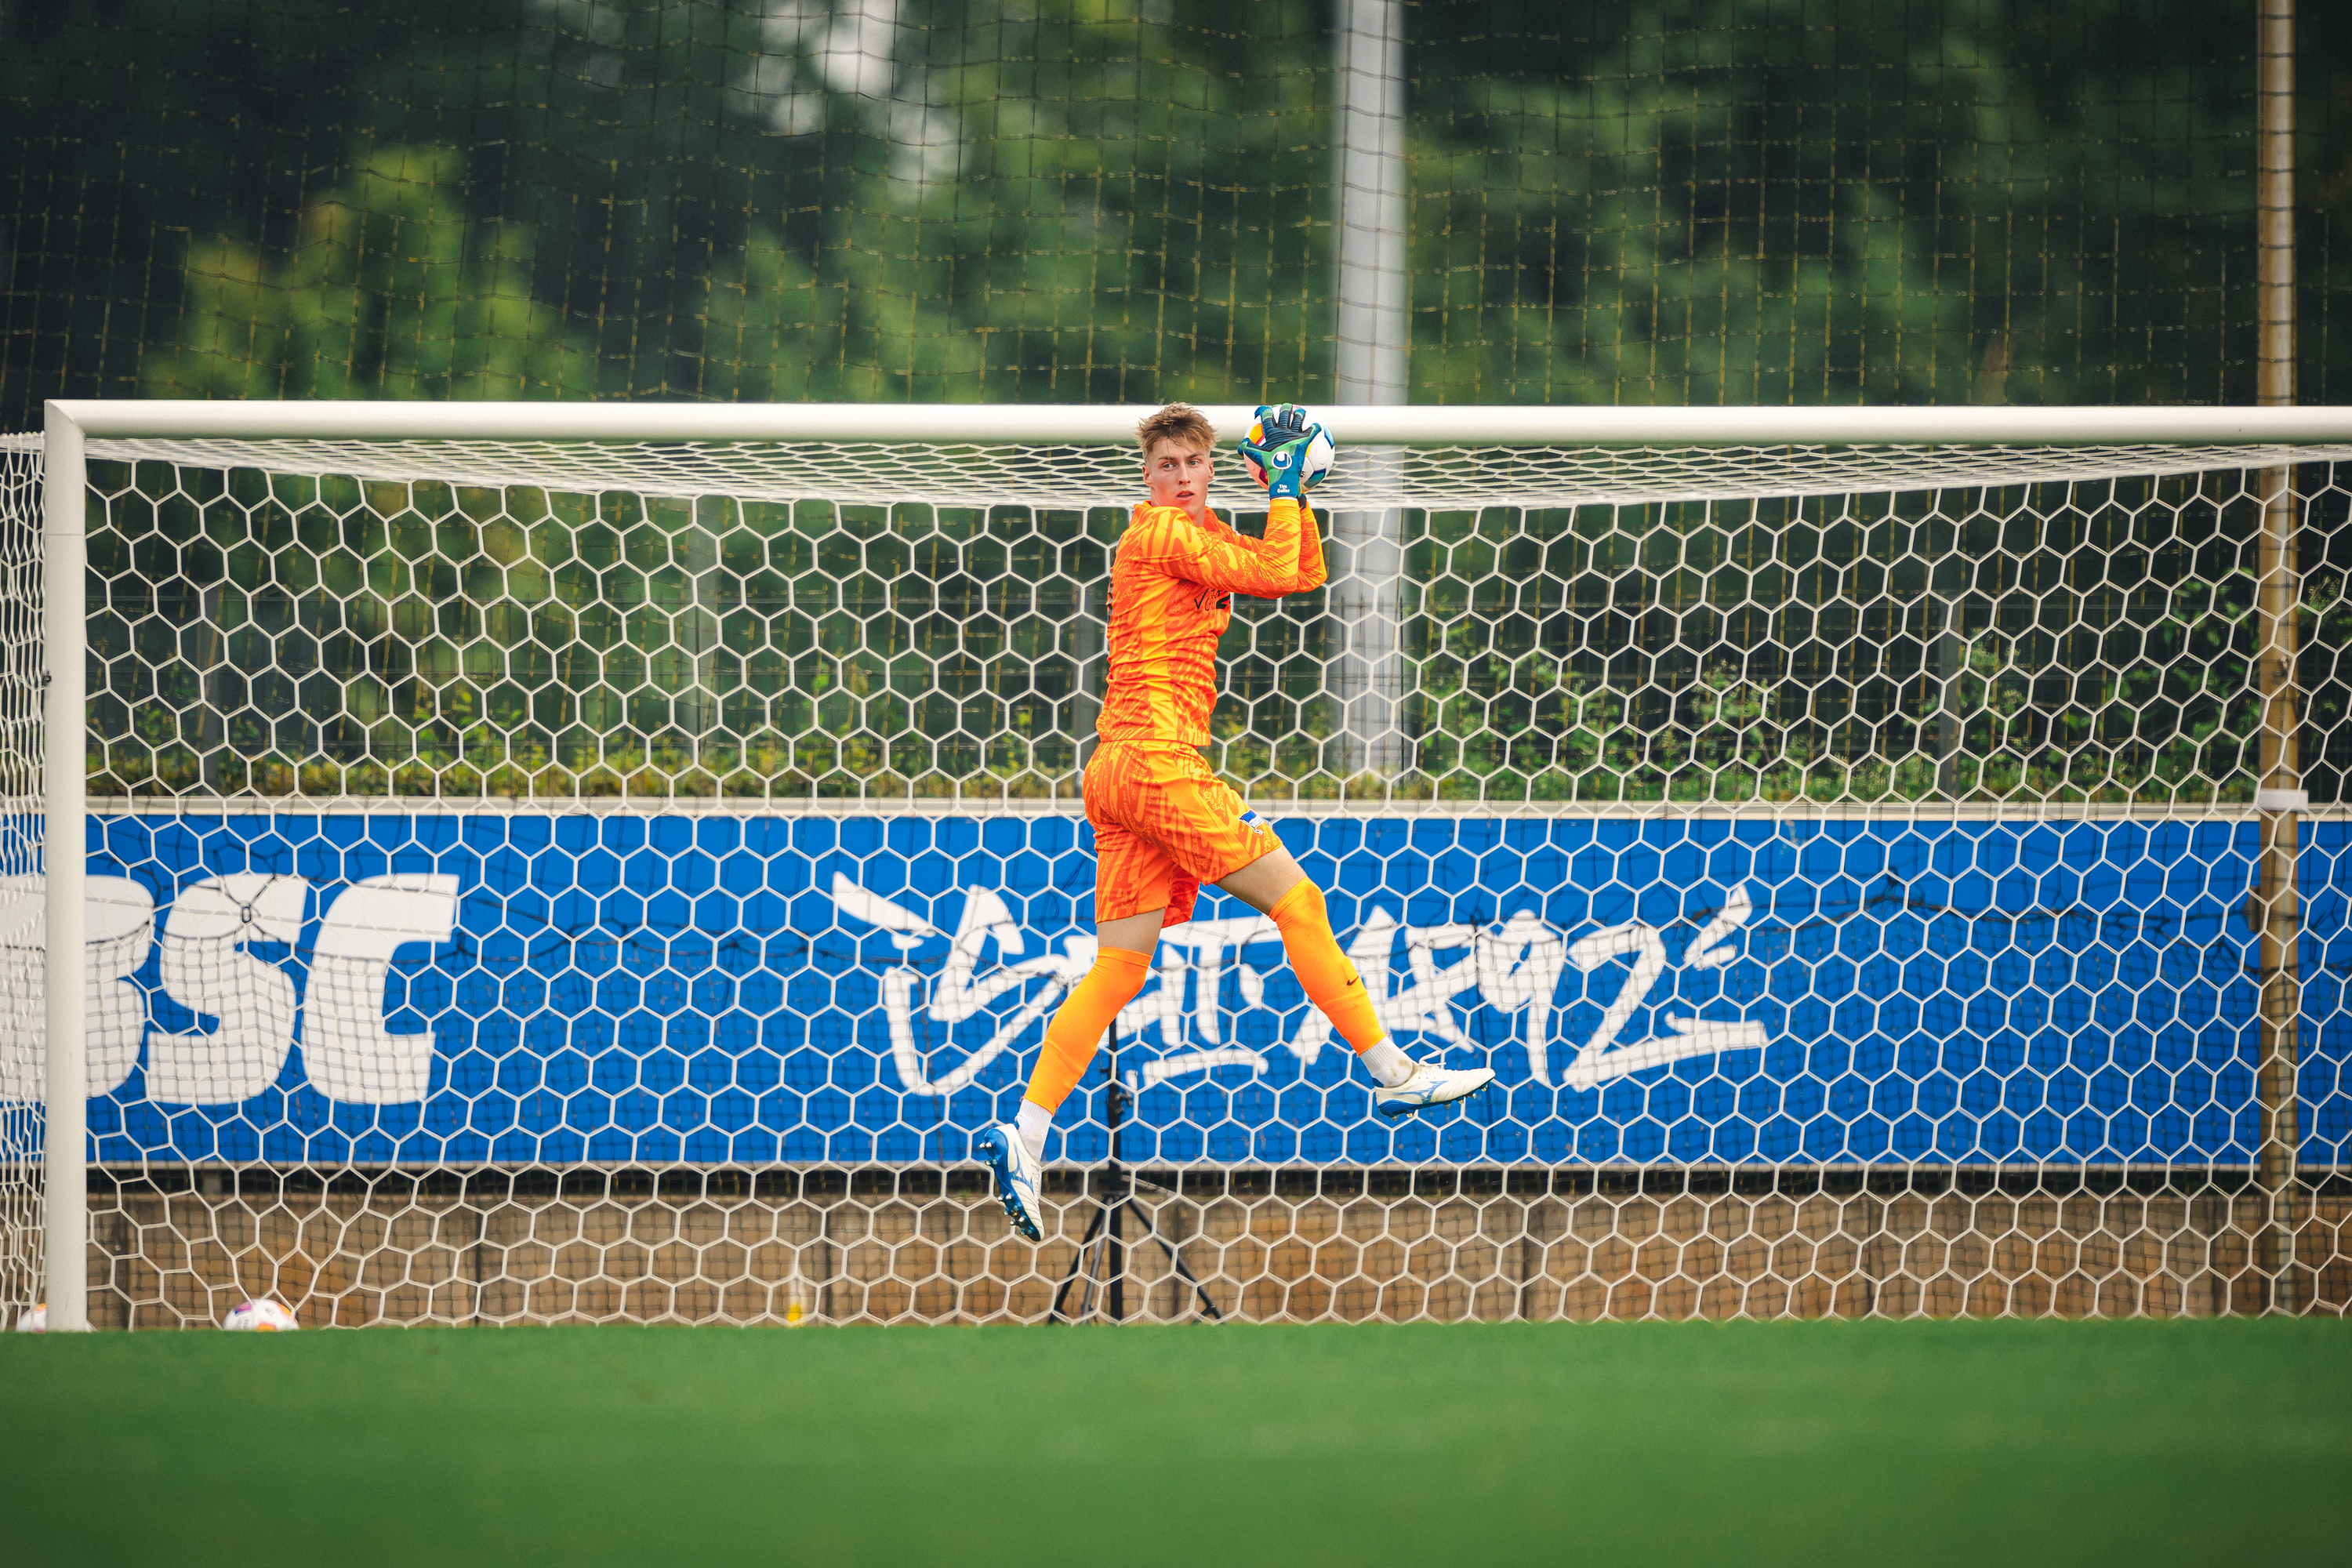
x=519, y=899
x=1617, y=202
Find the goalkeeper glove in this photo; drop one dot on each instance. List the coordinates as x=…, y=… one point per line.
x=1285, y=451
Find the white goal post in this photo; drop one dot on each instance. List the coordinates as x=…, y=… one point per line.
x=1612, y=477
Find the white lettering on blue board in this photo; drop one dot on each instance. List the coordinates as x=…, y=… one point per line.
x=207, y=966
x=1515, y=967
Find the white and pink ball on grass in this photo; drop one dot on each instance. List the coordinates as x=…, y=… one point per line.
x=262, y=1317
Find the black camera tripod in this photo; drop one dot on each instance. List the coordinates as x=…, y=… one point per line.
x=1114, y=1194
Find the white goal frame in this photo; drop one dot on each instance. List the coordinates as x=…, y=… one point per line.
x=69, y=423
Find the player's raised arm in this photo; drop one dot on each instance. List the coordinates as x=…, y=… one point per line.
x=1266, y=568
x=1311, y=572
x=1288, y=453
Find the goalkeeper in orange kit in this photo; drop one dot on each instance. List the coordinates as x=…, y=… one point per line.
x=1164, y=823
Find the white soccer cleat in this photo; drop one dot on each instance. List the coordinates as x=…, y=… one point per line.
x=1018, y=1174
x=1429, y=1085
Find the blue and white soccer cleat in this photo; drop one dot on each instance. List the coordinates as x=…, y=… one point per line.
x=1429, y=1085
x=1018, y=1173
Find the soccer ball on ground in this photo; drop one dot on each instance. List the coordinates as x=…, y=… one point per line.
x=262, y=1317
x=1319, y=454
x=33, y=1320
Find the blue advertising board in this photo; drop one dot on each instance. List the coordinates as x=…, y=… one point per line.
x=513, y=988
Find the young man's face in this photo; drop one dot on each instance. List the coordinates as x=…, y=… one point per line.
x=1178, y=476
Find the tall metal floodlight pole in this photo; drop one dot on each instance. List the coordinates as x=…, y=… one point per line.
x=2280, y=796
x=1372, y=330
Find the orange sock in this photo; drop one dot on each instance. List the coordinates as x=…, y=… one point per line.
x=1116, y=979
x=1330, y=981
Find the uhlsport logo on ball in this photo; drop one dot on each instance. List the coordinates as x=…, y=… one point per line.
x=262, y=1317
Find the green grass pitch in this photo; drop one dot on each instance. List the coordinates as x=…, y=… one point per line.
x=1819, y=1443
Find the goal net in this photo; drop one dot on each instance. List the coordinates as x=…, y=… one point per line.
x=535, y=878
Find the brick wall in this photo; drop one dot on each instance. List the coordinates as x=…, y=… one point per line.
x=931, y=1247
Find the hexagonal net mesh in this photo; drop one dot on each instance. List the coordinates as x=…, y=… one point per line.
x=20, y=842
x=828, y=622
x=542, y=880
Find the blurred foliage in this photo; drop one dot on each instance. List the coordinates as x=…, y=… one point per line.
x=2044, y=643
x=2086, y=643
x=389, y=291
x=1615, y=201
x=270, y=634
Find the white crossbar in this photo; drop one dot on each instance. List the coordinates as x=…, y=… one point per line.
x=1056, y=424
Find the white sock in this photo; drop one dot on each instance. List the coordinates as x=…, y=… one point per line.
x=1034, y=1121
x=1391, y=1066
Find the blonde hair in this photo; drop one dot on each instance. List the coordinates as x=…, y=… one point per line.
x=1179, y=422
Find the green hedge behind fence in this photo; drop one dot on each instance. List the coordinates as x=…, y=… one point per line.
x=1620, y=201
x=1612, y=201
x=2054, y=642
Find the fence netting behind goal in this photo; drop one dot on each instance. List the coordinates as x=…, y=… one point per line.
x=1617, y=202
x=547, y=882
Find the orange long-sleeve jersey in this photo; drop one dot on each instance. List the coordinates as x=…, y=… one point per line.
x=1172, y=593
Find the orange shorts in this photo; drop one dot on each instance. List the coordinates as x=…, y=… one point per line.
x=1164, y=825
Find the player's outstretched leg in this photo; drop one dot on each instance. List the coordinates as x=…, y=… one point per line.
x=1015, y=1150
x=1332, y=983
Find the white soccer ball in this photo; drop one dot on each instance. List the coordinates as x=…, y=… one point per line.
x=33, y=1320
x=1319, y=454
x=262, y=1317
